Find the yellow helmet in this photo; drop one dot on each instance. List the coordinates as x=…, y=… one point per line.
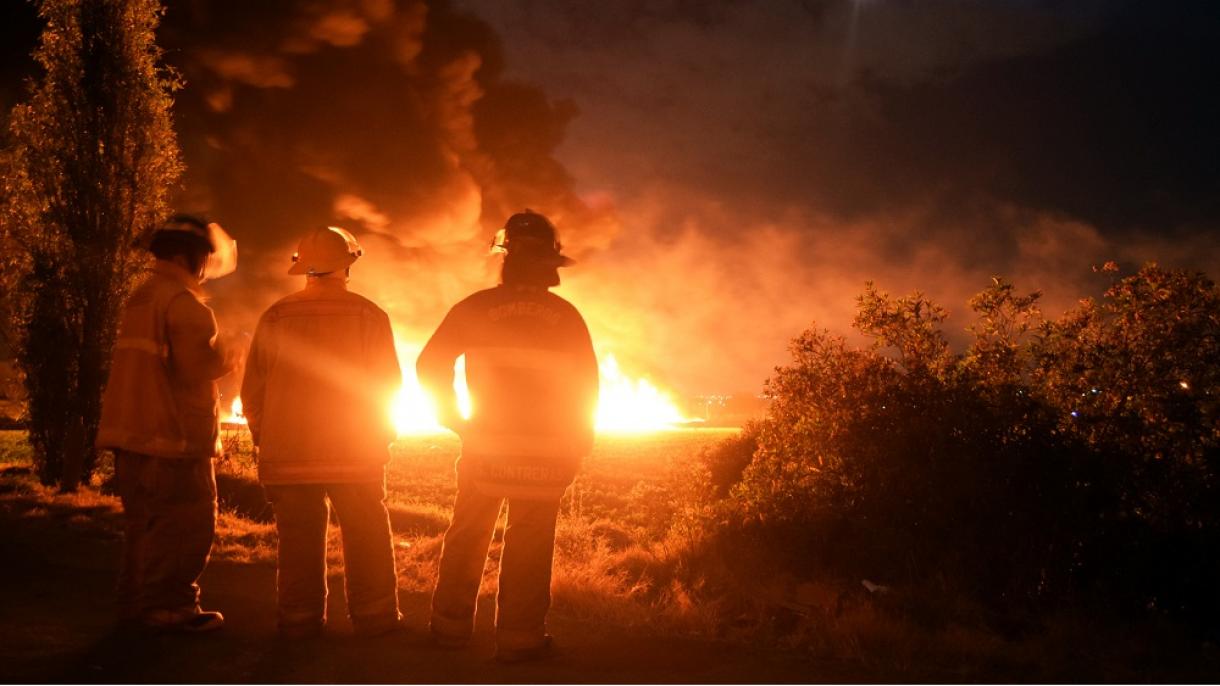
x=325, y=250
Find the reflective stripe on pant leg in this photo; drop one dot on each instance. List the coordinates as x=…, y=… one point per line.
x=300, y=520
x=178, y=539
x=463, y=556
x=369, y=577
x=525, y=573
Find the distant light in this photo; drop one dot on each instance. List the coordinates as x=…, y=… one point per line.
x=1075, y=413
x=1185, y=386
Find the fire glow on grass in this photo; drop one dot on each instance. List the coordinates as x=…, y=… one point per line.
x=625, y=404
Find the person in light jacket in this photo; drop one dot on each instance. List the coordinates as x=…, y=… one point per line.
x=160, y=416
x=320, y=377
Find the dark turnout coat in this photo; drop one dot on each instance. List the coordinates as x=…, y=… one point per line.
x=532, y=377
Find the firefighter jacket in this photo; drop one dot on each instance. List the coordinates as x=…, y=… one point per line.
x=320, y=378
x=532, y=377
x=161, y=399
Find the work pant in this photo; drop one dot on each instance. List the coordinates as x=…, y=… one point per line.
x=169, y=512
x=525, y=567
x=370, y=582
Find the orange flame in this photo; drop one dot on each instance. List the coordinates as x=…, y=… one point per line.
x=413, y=411
x=625, y=404
x=235, y=415
x=631, y=405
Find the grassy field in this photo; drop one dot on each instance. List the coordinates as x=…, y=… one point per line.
x=615, y=527
x=614, y=521
x=631, y=553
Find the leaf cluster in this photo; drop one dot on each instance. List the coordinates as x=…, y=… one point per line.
x=1020, y=470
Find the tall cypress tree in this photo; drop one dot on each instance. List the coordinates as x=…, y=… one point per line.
x=91, y=158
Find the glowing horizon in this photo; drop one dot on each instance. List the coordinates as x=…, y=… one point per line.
x=626, y=404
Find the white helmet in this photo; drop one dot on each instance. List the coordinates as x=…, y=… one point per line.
x=328, y=249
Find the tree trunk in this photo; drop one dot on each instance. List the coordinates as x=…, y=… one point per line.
x=74, y=456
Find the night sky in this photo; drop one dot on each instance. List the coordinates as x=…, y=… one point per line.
x=727, y=173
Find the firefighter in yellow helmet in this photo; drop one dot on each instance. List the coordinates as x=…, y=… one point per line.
x=532, y=377
x=160, y=416
x=319, y=379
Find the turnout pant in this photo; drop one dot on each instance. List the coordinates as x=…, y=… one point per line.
x=370, y=582
x=169, y=512
x=524, y=595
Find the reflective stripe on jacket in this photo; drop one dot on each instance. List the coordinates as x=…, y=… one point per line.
x=532, y=377
x=320, y=378
x=161, y=398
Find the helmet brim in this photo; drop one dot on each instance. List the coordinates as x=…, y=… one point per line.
x=301, y=268
x=223, y=259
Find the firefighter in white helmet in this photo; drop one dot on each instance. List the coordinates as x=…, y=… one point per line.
x=532, y=377
x=320, y=376
x=160, y=416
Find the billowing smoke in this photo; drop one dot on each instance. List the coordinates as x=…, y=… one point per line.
x=710, y=303
x=389, y=119
x=734, y=173
x=766, y=159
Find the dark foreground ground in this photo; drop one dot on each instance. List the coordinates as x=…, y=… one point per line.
x=57, y=567
x=58, y=559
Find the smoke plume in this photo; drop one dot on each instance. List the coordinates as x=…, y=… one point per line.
x=726, y=174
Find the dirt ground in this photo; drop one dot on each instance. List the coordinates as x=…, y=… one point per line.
x=58, y=564
x=56, y=625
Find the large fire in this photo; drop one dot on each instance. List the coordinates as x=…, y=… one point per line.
x=625, y=404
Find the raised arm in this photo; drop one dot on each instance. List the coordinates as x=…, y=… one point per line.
x=195, y=353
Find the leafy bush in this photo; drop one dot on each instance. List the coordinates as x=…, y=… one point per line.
x=1017, y=471
x=726, y=461
x=1136, y=378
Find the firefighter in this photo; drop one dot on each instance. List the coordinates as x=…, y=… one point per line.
x=532, y=378
x=320, y=377
x=160, y=416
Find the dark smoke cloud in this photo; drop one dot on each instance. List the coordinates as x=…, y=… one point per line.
x=388, y=118
x=728, y=173
x=923, y=145
x=1100, y=110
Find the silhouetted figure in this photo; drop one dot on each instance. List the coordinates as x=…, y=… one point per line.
x=320, y=376
x=532, y=378
x=160, y=414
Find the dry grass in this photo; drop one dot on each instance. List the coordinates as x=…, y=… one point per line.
x=242, y=540
x=630, y=553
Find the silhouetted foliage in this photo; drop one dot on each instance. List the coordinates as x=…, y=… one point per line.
x=1047, y=459
x=727, y=460
x=91, y=156
x=1136, y=377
